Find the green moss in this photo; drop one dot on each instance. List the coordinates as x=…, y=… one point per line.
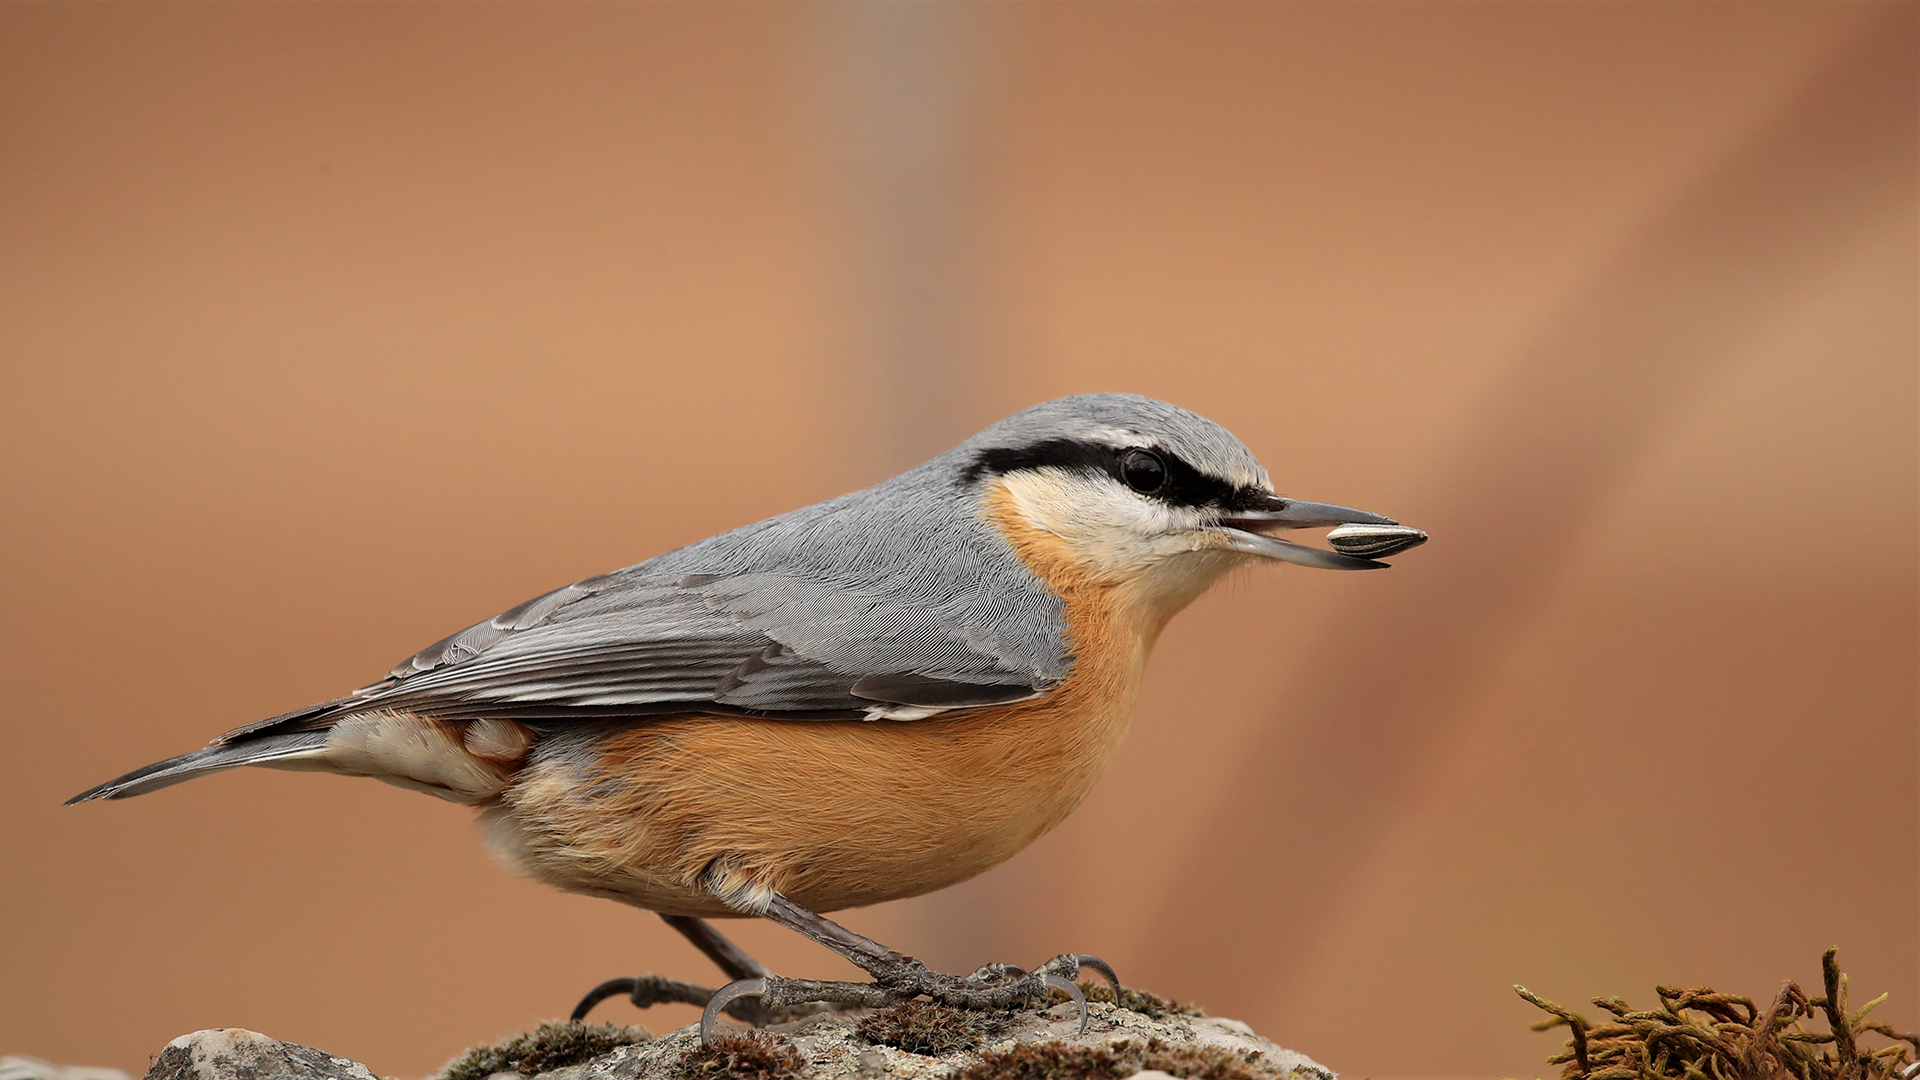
x=932, y=1029
x=1064, y=1061
x=1148, y=1005
x=548, y=1047
x=752, y=1056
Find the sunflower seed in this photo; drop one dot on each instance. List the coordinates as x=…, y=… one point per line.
x=1374, y=541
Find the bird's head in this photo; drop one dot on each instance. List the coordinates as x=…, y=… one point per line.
x=1134, y=492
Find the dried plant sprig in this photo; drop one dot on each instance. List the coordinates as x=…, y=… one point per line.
x=1700, y=1034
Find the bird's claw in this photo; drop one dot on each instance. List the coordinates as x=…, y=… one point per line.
x=1101, y=968
x=995, y=986
x=1072, y=990
x=726, y=995
x=1061, y=974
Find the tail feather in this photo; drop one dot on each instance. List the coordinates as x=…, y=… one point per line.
x=272, y=749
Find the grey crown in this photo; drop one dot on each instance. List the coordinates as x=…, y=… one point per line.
x=898, y=594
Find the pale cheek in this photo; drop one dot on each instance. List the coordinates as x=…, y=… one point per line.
x=1102, y=533
x=1069, y=508
x=1109, y=531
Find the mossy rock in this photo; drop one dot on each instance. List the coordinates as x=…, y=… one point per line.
x=912, y=1041
x=932, y=1029
x=547, y=1047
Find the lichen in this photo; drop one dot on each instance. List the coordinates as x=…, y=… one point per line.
x=1698, y=1034
x=930, y=1028
x=1116, y=1061
x=548, y=1047
x=751, y=1056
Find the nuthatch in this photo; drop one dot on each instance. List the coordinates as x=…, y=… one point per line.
x=862, y=700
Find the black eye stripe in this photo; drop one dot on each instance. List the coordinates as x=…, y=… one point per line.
x=1185, y=485
x=1071, y=454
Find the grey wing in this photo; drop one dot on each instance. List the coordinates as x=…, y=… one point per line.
x=631, y=643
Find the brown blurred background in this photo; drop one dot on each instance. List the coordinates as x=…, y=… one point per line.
x=327, y=330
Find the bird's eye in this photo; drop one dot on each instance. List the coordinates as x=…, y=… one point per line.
x=1143, y=471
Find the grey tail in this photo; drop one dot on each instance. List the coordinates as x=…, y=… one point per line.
x=261, y=751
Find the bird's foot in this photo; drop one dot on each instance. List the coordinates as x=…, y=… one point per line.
x=645, y=991
x=902, y=978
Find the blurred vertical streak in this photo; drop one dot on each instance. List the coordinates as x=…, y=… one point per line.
x=904, y=89
x=1381, y=696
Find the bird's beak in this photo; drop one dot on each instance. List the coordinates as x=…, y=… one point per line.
x=1372, y=534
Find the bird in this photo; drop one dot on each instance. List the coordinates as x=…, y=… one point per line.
x=866, y=699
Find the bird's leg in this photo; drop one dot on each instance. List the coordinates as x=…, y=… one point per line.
x=647, y=990
x=896, y=976
x=725, y=955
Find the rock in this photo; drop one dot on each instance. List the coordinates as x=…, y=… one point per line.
x=1150, y=1039
x=239, y=1054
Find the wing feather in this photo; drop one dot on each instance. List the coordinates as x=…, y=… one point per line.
x=634, y=644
